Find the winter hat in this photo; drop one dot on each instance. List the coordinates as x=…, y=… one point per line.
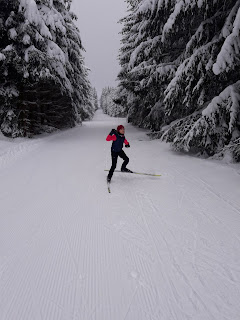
x=120, y=127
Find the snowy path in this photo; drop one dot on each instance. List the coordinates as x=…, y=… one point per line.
x=155, y=248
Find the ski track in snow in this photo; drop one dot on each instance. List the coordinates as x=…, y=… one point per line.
x=156, y=248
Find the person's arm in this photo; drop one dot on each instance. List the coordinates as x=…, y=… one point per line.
x=127, y=144
x=111, y=136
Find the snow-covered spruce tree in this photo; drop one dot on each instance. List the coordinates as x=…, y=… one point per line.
x=126, y=89
x=108, y=105
x=144, y=62
x=43, y=80
x=205, y=91
x=174, y=64
x=95, y=98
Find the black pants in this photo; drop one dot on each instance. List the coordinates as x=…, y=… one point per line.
x=115, y=155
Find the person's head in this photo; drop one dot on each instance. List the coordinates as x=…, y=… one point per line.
x=121, y=129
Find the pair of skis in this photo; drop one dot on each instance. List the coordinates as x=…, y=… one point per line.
x=141, y=173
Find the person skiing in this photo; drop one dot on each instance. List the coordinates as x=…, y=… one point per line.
x=118, y=139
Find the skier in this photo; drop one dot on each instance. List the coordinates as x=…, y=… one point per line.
x=118, y=138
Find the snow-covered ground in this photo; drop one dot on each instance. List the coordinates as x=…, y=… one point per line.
x=159, y=248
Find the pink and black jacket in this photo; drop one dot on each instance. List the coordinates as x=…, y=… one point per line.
x=118, y=140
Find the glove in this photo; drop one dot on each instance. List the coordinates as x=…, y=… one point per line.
x=127, y=145
x=113, y=131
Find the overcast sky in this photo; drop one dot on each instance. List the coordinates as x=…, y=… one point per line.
x=97, y=21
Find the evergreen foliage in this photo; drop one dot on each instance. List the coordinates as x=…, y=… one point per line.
x=180, y=71
x=108, y=104
x=44, y=82
x=95, y=98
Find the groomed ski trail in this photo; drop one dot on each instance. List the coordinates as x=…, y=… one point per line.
x=159, y=249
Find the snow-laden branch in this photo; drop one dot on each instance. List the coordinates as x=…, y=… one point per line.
x=211, y=130
x=230, y=51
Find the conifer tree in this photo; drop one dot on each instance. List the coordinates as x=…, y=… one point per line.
x=108, y=104
x=44, y=82
x=180, y=71
x=95, y=98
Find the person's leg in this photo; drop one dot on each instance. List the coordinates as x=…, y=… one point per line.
x=114, y=164
x=123, y=155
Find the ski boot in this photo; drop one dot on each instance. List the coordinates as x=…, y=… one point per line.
x=126, y=170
